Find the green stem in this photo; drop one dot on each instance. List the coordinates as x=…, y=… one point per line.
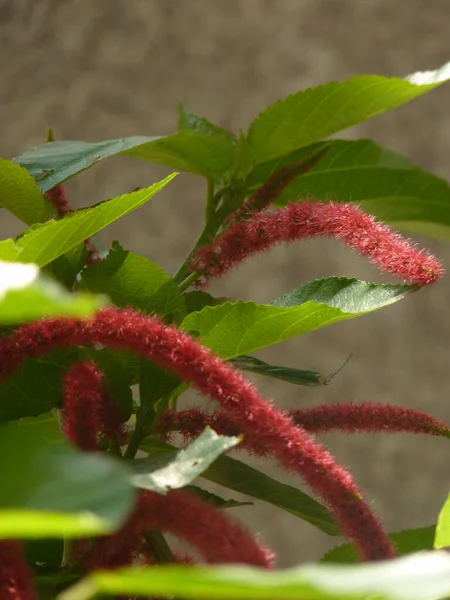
x=159, y=547
x=190, y=279
x=136, y=438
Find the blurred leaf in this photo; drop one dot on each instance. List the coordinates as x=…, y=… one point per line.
x=176, y=469
x=242, y=478
x=53, y=490
x=419, y=577
x=236, y=328
x=20, y=195
x=42, y=244
x=26, y=295
x=313, y=114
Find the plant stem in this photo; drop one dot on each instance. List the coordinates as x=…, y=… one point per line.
x=159, y=547
x=136, y=438
x=190, y=279
x=209, y=211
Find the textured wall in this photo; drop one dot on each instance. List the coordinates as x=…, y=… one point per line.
x=111, y=68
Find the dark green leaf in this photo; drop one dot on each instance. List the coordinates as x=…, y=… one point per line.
x=51, y=164
x=53, y=490
x=36, y=387
x=214, y=499
x=383, y=183
x=236, y=328
x=132, y=280
x=295, y=376
x=406, y=542
x=176, y=469
x=42, y=244
x=242, y=478
x=419, y=577
x=311, y=115
x=66, y=268
x=187, y=121
x=26, y=295
x=44, y=554
x=20, y=195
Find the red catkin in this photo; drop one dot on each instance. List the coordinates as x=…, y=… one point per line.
x=15, y=575
x=298, y=221
x=173, y=349
x=89, y=412
x=271, y=190
x=190, y=519
x=370, y=417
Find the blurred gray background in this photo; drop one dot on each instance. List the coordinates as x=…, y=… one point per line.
x=103, y=69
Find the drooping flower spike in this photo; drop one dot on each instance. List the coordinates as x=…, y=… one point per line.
x=359, y=231
x=173, y=349
x=370, y=417
x=89, y=412
x=190, y=519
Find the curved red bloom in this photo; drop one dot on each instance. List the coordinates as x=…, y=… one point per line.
x=89, y=412
x=297, y=221
x=191, y=519
x=173, y=349
x=15, y=575
x=370, y=417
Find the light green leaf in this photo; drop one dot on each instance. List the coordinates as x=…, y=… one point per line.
x=236, y=328
x=26, y=295
x=187, y=121
x=51, y=164
x=20, y=195
x=313, y=114
x=406, y=542
x=8, y=250
x=242, y=478
x=422, y=576
x=54, y=490
x=442, y=539
x=176, y=469
x=44, y=243
x=383, y=183
x=133, y=280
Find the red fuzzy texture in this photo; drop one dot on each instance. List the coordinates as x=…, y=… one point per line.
x=269, y=191
x=173, y=349
x=210, y=530
x=89, y=412
x=58, y=198
x=15, y=575
x=370, y=417
x=298, y=221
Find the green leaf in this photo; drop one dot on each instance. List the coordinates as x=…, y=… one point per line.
x=54, y=490
x=132, y=280
x=26, y=295
x=295, y=376
x=8, y=250
x=406, y=542
x=177, y=469
x=42, y=244
x=383, y=183
x=66, y=267
x=187, y=121
x=156, y=387
x=313, y=114
x=442, y=539
x=214, y=499
x=418, y=577
x=46, y=554
x=236, y=328
x=242, y=478
x=51, y=164
x=20, y=195
x=36, y=387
